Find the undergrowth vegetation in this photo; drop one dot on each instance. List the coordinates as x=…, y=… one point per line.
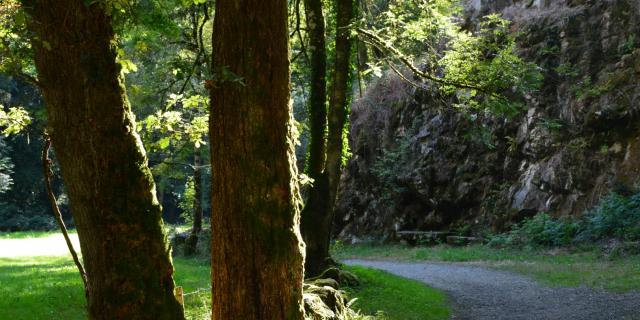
x=615, y=217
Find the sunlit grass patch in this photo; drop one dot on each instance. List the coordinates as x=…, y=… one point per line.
x=397, y=297
x=194, y=276
x=40, y=288
x=30, y=234
x=51, y=288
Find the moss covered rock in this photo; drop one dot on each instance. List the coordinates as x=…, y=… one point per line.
x=326, y=303
x=342, y=277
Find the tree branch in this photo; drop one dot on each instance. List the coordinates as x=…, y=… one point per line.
x=303, y=49
x=380, y=43
x=48, y=174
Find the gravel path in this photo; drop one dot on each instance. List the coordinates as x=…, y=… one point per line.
x=478, y=294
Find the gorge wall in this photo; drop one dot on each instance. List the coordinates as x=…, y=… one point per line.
x=418, y=164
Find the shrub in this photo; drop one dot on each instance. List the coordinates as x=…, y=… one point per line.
x=389, y=166
x=540, y=230
x=11, y=221
x=615, y=216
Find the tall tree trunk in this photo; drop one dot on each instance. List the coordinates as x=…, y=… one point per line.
x=316, y=203
x=103, y=163
x=192, y=240
x=339, y=101
x=317, y=216
x=314, y=227
x=256, y=250
x=318, y=90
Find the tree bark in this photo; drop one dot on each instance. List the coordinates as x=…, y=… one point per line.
x=314, y=226
x=192, y=241
x=318, y=90
x=339, y=101
x=103, y=163
x=316, y=203
x=257, y=252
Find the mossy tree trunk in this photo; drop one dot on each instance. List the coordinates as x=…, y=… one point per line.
x=103, y=163
x=339, y=101
x=317, y=215
x=316, y=199
x=257, y=252
x=318, y=91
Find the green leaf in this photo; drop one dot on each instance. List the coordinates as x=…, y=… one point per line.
x=13, y=121
x=164, y=143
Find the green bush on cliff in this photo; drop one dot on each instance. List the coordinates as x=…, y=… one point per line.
x=615, y=217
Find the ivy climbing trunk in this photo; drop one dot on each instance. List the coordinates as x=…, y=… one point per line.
x=192, y=241
x=315, y=205
x=103, y=163
x=256, y=250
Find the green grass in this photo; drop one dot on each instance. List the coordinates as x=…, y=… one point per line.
x=619, y=275
x=30, y=234
x=195, y=278
x=559, y=267
x=40, y=288
x=50, y=288
x=398, y=298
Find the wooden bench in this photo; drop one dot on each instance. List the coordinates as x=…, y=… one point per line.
x=423, y=237
x=462, y=241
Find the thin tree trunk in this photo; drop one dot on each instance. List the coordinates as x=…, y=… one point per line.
x=197, y=188
x=257, y=252
x=315, y=205
x=192, y=240
x=111, y=190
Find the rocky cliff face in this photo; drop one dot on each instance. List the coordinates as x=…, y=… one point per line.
x=420, y=165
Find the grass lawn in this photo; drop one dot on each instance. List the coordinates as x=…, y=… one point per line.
x=195, y=278
x=30, y=234
x=396, y=298
x=40, y=288
x=49, y=287
x=553, y=267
